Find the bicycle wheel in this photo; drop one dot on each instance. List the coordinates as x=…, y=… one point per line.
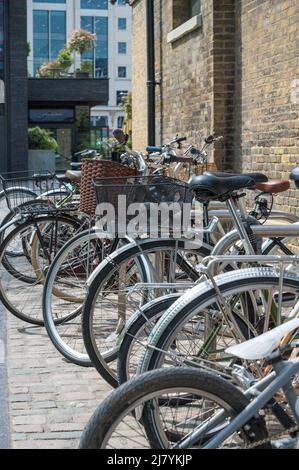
x=137, y=332
x=133, y=417
x=65, y=289
x=118, y=289
x=4, y=209
x=13, y=220
x=20, y=287
x=196, y=329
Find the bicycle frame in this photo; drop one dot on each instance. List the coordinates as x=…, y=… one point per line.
x=266, y=389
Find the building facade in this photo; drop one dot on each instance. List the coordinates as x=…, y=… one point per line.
x=50, y=23
x=13, y=86
x=228, y=67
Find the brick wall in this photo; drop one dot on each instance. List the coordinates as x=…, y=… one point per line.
x=196, y=74
x=224, y=79
x=236, y=75
x=139, y=96
x=268, y=65
x=186, y=69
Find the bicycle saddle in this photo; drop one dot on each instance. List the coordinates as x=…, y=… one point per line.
x=262, y=346
x=258, y=177
x=74, y=176
x=211, y=186
x=274, y=186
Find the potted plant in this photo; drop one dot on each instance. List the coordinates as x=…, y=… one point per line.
x=42, y=150
x=81, y=41
x=51, y=69
x=86, y=68
x=65, y=59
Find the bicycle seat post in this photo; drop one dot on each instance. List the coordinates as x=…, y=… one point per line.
x=239, y=223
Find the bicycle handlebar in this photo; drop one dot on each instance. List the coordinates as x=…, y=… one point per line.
x=213, y=138
x=175, y=159
x=153, y=149
x=181, y=139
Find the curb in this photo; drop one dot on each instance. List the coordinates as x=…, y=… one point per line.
x=4, y=418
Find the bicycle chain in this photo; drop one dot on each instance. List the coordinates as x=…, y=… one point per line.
x=278, y=436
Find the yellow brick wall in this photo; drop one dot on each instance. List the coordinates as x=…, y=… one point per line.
x=237, y=75
x=266, y=112
x=139, y=95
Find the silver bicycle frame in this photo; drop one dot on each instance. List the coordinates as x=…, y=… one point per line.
x=265, y=389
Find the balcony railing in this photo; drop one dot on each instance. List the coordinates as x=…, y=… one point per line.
x=45, y=69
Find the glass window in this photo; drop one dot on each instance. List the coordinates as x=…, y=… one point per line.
x=40, y=37
x=95, y=4
x=122, y=72
x=122, y=47
x=122, y=2
x=52, y=115
x=99, y=55
x=102, y=121
x=87, y=22
x=120, y=121
x=57, y=32
x=120, y=95
x=49, y=1
x=122, y=23
x=194, y=8
x=183, y=10
x=49, y=35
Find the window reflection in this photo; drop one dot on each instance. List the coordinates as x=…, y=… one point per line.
x=98, y=55
x=95, y=4
x=49, y=35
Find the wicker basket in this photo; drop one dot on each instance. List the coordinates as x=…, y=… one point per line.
x=97, y=169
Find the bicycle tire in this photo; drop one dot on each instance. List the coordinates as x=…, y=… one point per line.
x=197, y=299
x=10, y=304
x=107, y=270
x=19, y=219
x=3, y=199
x=143, y=391
x=149, y=313
x=80, y=358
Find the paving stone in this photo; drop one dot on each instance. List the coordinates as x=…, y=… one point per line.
x=66, y=427
x=28, y=429
x=20, y=398
x=50, y=399
x=44, y=404
x=57, y=435
x=35, y=419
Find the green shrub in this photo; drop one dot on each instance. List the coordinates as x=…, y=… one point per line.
x=65, y=58
x=86, y=66
x=41, y=139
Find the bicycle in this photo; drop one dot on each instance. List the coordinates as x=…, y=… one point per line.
x=71, y=346
x=183, y=408
x=75, y=259
x=29, y=241
x=36, y=231
x=99, y=287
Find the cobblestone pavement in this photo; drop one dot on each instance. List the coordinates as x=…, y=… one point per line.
x=50, y=400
